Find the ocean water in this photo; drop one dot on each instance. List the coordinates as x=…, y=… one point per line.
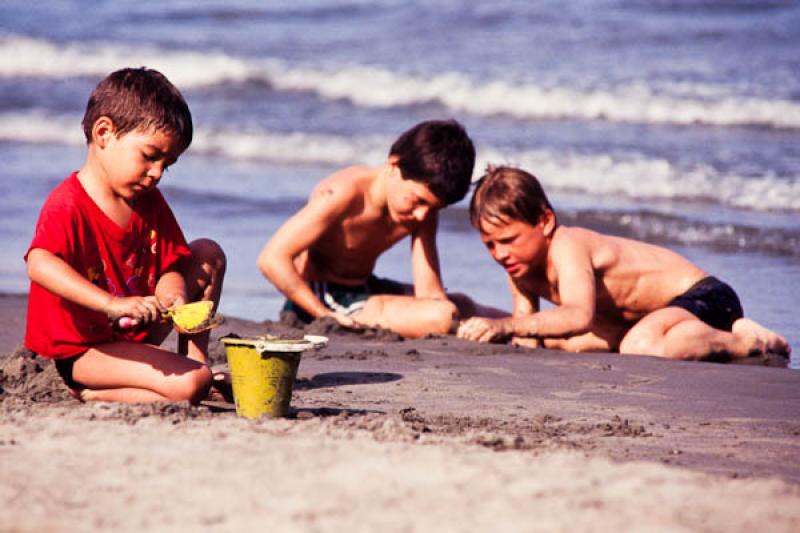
x=673, y=121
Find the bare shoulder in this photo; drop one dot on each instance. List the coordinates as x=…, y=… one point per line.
x=344, y=185
x=570, y=239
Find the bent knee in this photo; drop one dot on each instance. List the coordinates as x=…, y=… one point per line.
x=208, y=252
x=441, y=316
x=429, y=317
x=642, y=343
x=193, y=386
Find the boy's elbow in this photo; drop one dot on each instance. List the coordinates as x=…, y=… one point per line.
x=33, y=264
x=582, y=321
x=268, y=263
x=264, y=263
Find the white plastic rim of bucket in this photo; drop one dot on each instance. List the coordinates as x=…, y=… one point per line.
x=309, y=342
x=277, y=346
x=318, y=341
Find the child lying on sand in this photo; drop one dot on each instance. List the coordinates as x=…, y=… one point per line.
x=611, y=294
x=107, y=247
x=323, y=257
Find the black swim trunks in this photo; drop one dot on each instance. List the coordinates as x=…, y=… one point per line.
x=348, y=299
x=713, y=302
x=64, y=368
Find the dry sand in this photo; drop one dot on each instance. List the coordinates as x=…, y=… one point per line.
x=428, y=435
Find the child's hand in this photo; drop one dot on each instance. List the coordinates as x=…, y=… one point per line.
x=171, y=300
x=346, y=321
x=483, y=329
x=135, y=309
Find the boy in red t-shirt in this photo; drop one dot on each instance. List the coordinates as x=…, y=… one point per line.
x=107, y=246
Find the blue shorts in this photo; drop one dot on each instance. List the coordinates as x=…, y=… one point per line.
x=713, y=302
x=348, y=299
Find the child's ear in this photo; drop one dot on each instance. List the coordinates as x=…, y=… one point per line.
x=102, y=131
x=548, y=222
x=393, y=165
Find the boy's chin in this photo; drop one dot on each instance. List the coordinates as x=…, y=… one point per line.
x=516, y=272
x=402, y=220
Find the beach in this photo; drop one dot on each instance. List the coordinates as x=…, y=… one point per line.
x=400, y=435
x=683, y=139
x=673, y=122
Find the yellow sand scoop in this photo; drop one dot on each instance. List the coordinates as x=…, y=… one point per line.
x=193, y=317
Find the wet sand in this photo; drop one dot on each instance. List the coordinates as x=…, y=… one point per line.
x=405, y=435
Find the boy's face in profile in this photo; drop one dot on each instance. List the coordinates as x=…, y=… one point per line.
x=134, y=162
x=409, y=201
x=516, y=245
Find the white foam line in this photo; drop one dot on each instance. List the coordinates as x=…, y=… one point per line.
x=381, y=88
x=633, y=175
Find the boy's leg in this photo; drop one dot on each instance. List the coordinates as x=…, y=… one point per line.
x=676, y=333
x=409, y=316
x=467, y=307
x=136, y=372
x=605, y=336
x=204, y=277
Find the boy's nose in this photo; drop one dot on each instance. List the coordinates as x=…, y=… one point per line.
x=155, y=172
x=499, y=253
x=420, y=213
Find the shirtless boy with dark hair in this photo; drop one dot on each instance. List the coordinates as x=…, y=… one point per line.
x=323, y=257
x=611, y=293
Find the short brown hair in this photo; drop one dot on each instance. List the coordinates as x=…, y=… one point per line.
x=506, y=194
x=438, y=154
x=139, y=99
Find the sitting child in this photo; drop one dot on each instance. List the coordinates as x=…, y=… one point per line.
x=107, y=247
x=611, y=293
x=323, y=257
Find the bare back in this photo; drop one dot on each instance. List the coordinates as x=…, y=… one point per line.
x=632, y=278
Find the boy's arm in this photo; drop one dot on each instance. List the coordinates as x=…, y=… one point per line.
x=171, y=288
x=425, y=261
x=298, y=234
x=54, y=274
x=521, y=303
x=571, y=259
x=574, y=315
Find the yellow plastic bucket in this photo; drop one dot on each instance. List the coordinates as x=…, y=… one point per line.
x=263, y=370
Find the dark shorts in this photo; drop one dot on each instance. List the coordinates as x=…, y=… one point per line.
x=713, y=302
x=64, y=368
x=348, y=299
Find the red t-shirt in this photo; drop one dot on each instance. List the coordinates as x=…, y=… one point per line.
x=123, y=261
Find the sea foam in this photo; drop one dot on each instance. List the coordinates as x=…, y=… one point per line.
x=632, y=175
x=379, y=87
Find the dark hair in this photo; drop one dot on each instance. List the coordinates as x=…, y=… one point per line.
x=440, y=154
x=139, y=99
x=505, y=194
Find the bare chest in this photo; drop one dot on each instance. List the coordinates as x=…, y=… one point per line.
x=349, y=251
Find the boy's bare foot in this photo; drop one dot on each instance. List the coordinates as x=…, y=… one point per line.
x=759, y=339
x=77, y=394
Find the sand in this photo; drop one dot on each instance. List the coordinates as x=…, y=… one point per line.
x=396, y=435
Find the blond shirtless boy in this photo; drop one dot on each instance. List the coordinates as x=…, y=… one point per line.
x=322, y=259
x=610, y=293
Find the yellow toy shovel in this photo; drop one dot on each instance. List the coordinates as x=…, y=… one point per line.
x=189, y=318
x=193, y=317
